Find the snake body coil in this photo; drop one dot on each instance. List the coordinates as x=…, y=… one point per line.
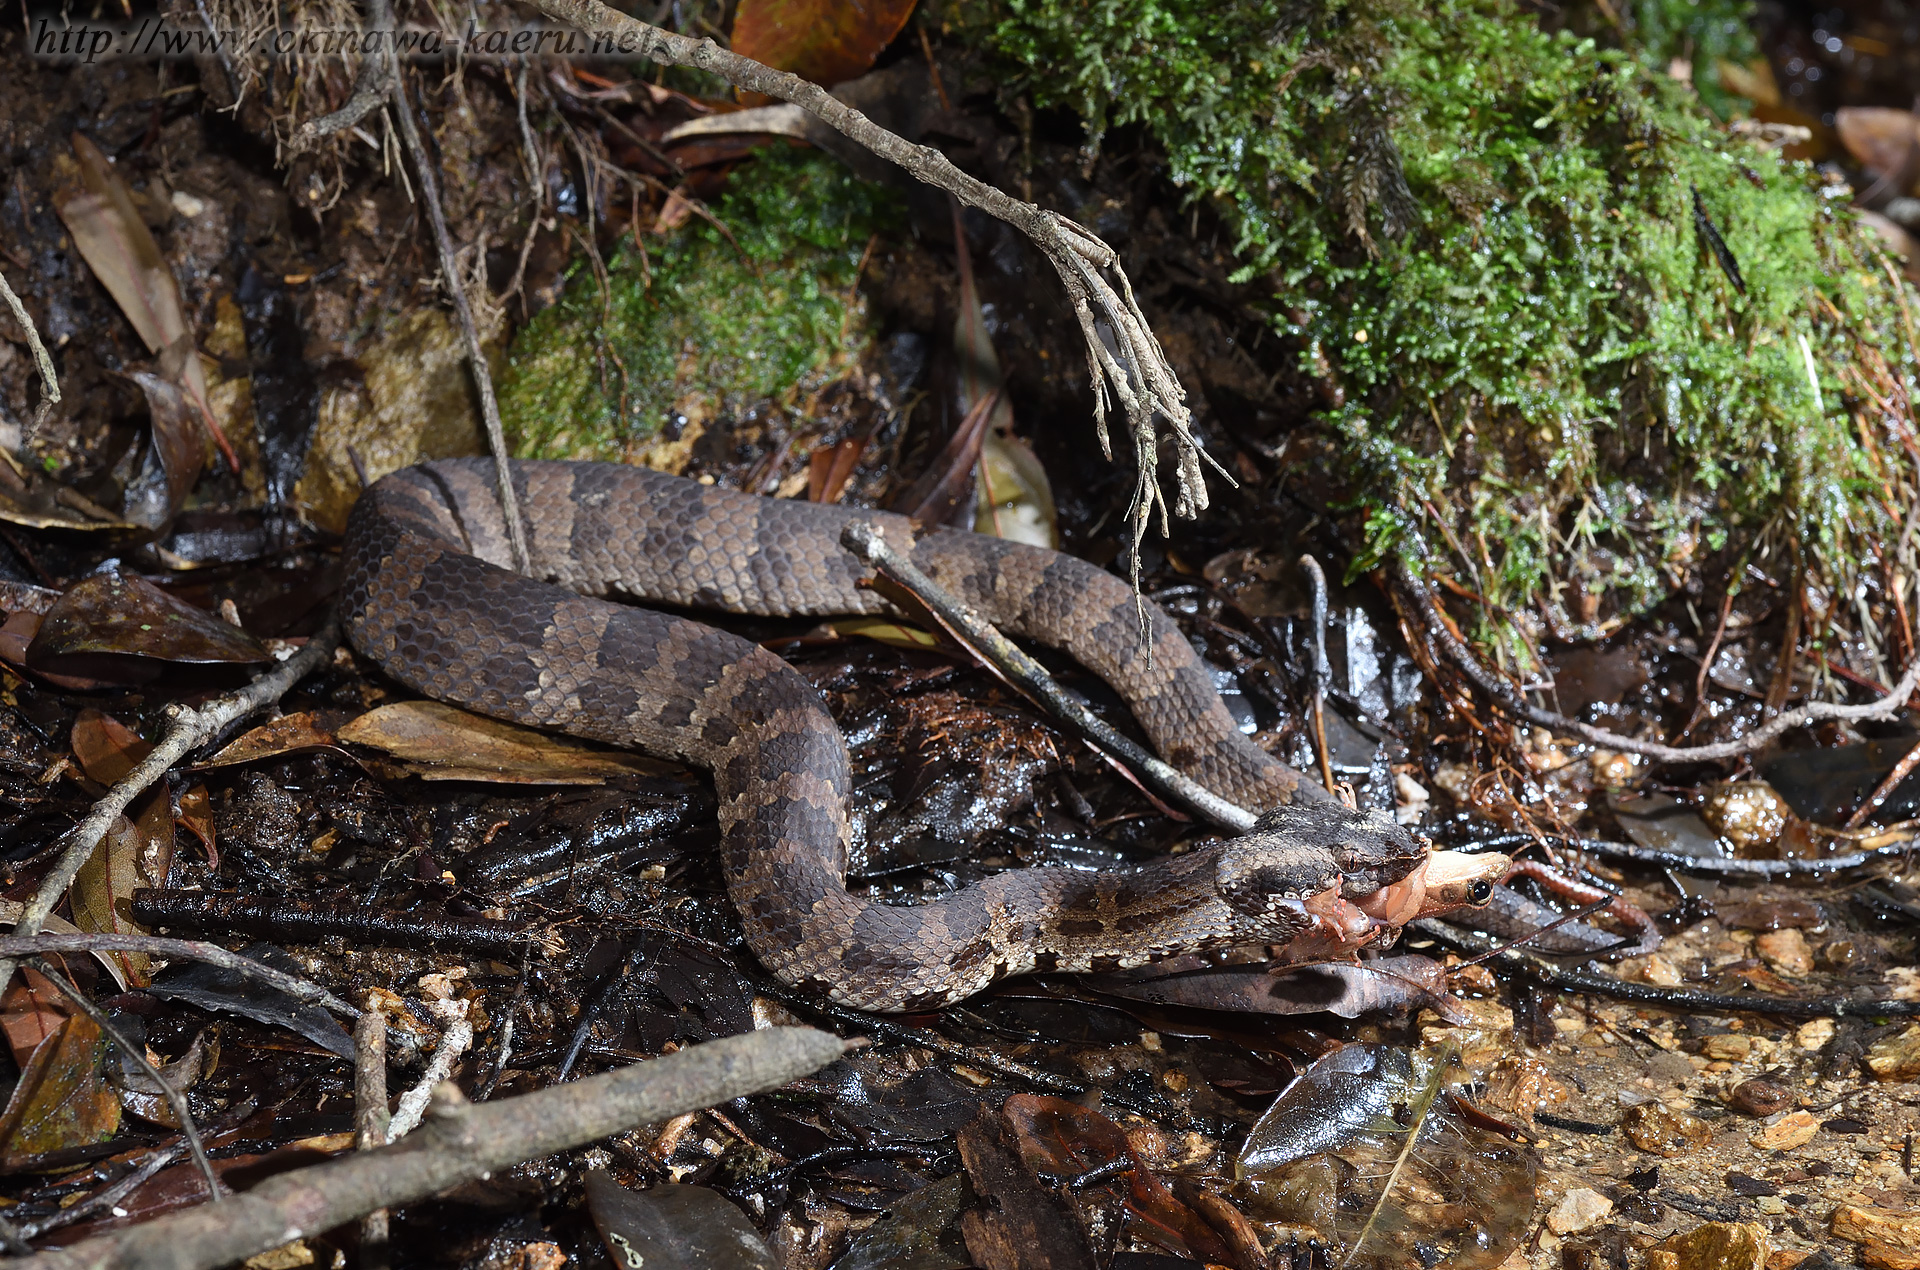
x=428, y=598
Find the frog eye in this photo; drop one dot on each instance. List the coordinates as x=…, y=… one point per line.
x=1480, y=892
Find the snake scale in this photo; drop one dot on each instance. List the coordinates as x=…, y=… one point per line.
x=429, y=599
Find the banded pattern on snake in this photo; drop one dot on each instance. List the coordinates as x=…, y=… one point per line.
x=430, y=600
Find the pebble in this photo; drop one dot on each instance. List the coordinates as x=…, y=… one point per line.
x=1661, y=1130
x=1717, y=1245
x=1891, y=1240
x=1814, y=1034
x=1732, y=1047
x=1660, y=971
x=1760, y=1098
x=1577, y=1210
x=1795, y=1129
x=1786, y=952
x=1749, y=814
x=1896, y=1058
x=1523, y=1086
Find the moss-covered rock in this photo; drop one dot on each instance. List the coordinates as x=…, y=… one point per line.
x=709, y=323
x=1578, y=333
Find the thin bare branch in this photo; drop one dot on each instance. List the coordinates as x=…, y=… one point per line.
x=1134, y=370
x=1510, y=699
x=187, y=728
x=183, y=949
x=41, y=360
x=460, y=1142
x=1024, y=673
x=381, y=14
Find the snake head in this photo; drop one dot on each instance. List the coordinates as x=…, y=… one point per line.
x=1304, y=856
x=1365, y=849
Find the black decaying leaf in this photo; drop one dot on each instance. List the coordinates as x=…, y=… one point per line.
x=1704, y=226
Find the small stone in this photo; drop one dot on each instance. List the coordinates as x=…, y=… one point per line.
x=1814, y=1034
x=1729, y=1048
x=1892, y=1240
x=1749, y=814
x=1795, y=1129
x=1786, y=951
x=1787, y=1258
x=1577, y=1210
x=1771, y=1205
x=1760, y=1098
x=1896, y=1058
x=1718, y=1245
x=1524, y=1086
x=1660, y=971
x=1661, y=1130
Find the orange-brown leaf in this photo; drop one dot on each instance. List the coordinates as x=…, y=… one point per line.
x=826, y=41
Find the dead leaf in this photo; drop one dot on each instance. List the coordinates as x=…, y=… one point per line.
x=107, y=748
x=1064, y=1139
x=54, y=924
x=1366, y=1148
x=34, y=1011
x=1754, y=81
x=98, y=211
x=1015, y=499
x=195, y=815
x=448, y=744
x=120, y=626
x=1881, y=139
x=62, y=1099
x=826, y=41
x=1898, y=241
x=299, y=733
x=885, y=632
x=102, y=892
x=141, y=1096
x=830, y=466
x=175, y=456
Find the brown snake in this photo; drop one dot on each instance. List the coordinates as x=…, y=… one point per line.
x=428, y=599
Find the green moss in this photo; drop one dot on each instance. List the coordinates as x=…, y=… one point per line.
x=1486, y=235
x=707, y=325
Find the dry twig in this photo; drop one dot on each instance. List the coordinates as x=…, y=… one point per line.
x=381, y=13
x=1125, y=361
x=1004, y=656
x=461, y=1141
x=41, y=360
x=370, y=1119
x=187, y=728
x=1505, y=694
x=299, y=989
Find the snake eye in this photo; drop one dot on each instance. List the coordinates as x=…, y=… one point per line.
x=1480, y=892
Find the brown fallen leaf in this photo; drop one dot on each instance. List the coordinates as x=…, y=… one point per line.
x=178, y=453
x=62, y=1099
x=132, y=855
x=1882, y=140
x=443, y=743
x=299, y=733
x=97, y=209
x=107, y=748
x=195, y=815
x=826, y=41
x=122, y=627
